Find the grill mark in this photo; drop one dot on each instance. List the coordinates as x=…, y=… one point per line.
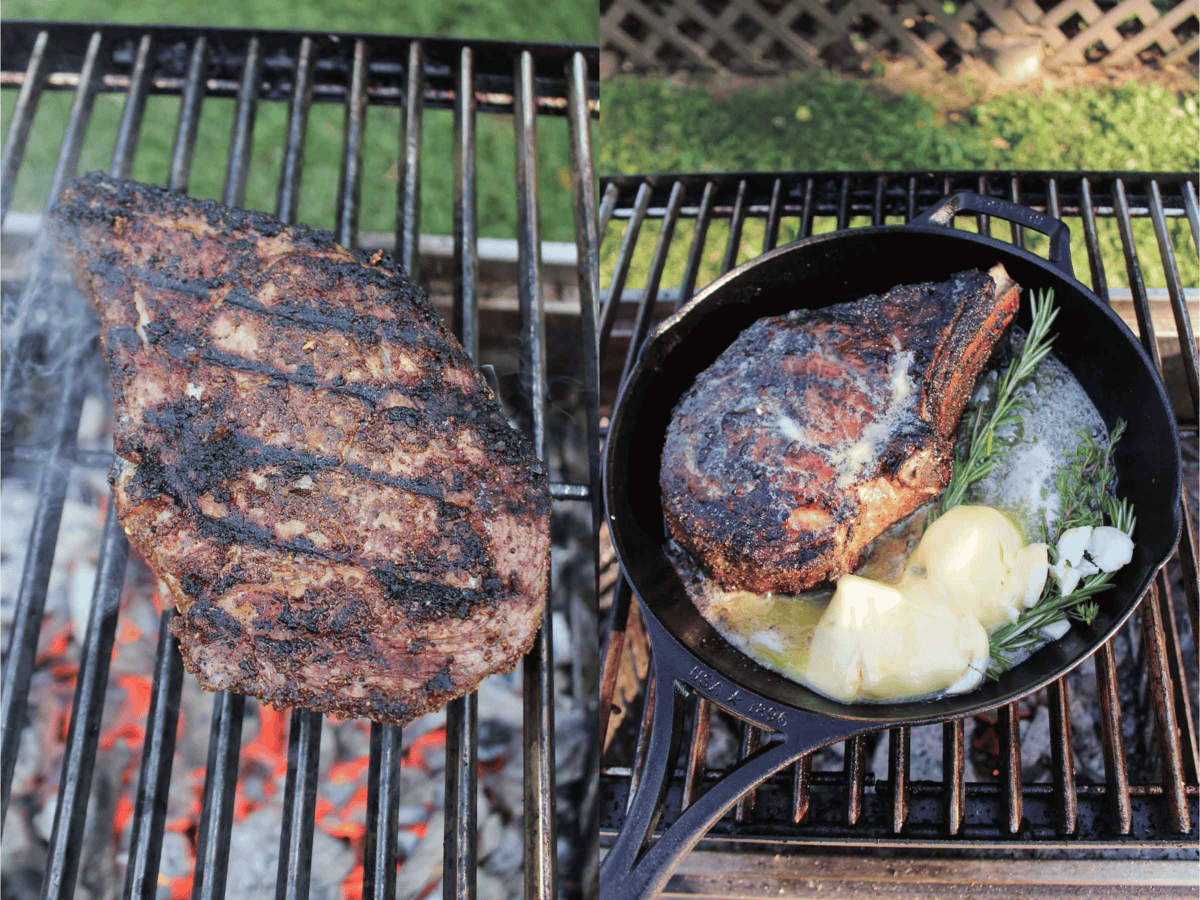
x=362, y=326
x=440, y=399
x=422, y=600
x=214, y=456
x=444, y=408
x=238, y=451
x=371, y=395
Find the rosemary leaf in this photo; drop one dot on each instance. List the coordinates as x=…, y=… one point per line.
x=976, y=461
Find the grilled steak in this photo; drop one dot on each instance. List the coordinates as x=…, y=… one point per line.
x=815, y=431
x=306, y=459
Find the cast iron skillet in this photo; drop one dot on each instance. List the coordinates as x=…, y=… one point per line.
x=690, y=656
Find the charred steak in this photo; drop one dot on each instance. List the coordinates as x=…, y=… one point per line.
x=306, y=459
x=816, y=430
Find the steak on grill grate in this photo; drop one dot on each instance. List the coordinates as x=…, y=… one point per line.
x=816, y=430
x=307, y=459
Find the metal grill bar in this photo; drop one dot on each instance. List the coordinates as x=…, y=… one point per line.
x=383, y=803
x=350, y=182
x=225, y=733
x=22, y=120
x=299, y=805
x=288, y=196
x=641, y=325
x=135, y=106
x=220, y=789
x=154, y=778
x=77, y=122
x=159, y=748
x=1187, y=340
x=242, y=138
x=537, y=668
x=584, y=611
x=608, y=311
x=1115, y=772
x=462, y=715
x=695, y=252
x=62, y=867
x=969, y=814
x=408, y=210
x=736, y=221
x=35, y=575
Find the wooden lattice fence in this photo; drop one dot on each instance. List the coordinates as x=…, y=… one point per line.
x=775, y=35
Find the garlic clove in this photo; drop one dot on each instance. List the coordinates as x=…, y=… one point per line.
x=1072, y=543
x=1069, y=580
x=1055, y=630
x=1110, y=548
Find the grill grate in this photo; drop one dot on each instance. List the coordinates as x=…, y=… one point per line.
x=685, y=230
x=521, y=82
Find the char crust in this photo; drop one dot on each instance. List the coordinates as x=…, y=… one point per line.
x=816, y=430
x=307, y=459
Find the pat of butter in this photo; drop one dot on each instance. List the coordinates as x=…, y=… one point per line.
x=928, y=633
x=876, y=643
x=975, y=559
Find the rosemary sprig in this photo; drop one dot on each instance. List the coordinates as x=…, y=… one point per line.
x=983, y=452
x=1085, y=491
x=1008, y=640
x=1085, y=484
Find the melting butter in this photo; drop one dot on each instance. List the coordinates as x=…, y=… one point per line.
x=928, y=633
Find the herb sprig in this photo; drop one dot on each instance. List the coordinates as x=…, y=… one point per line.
x=1085, y=497
x=983, y=451
x=1085, y=484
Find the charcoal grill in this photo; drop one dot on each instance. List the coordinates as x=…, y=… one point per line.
x=828, y=823
x=295, y=70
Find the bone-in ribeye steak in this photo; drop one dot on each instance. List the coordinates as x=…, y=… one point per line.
x=307, y=459
x=816, y=430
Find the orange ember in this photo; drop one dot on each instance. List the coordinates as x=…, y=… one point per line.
x=417, y=751
x=353, y=887
x=347, y=772
x=122, y=815
x=56, y=647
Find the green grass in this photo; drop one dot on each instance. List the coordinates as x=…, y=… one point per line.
x=820, y=122
x=823, y=122
x=515, y=20
x=522, y=20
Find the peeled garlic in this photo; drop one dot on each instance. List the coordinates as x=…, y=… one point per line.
x=1055, y=629
x=1072, y=543
x=1110, y=547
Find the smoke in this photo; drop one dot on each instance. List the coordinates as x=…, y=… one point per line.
x=51, y=358
x=48, y=328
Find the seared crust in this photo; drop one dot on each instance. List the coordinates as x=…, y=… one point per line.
x=815, y=431
x=307, y=459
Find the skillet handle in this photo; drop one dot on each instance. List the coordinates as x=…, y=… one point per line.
x=943, y=212
x=630, y=871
